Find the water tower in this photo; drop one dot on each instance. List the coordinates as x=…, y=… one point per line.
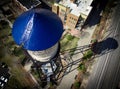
x=38, y=31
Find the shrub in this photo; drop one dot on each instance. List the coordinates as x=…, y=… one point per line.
x=69, y=37
x=77, y=84
x=88, y=54
x=81, y=67
x=18, y=51
x=94, y=40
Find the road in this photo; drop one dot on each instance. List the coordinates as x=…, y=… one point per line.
x=69, y=78
x=106, y=72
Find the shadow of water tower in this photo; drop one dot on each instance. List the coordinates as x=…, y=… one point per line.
x=38, y=31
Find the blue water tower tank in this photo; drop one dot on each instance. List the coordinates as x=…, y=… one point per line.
x=37, y=29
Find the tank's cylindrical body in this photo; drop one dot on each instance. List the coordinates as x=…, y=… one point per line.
x=44, y=55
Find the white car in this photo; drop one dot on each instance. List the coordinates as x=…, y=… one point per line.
x=3, y=79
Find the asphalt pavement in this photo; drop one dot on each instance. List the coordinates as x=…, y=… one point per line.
x=106, y=71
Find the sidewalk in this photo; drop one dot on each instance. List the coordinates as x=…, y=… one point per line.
x=85, y=39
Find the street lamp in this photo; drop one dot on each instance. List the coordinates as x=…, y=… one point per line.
x=38, y=31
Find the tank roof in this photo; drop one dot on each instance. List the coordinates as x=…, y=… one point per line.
x=37, y=29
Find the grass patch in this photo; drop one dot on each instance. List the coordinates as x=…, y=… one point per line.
x=13, y=84
x=19, y=78
x=68, y=42
x=69, y=37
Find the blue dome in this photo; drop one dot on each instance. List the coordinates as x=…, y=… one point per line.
x=37, y=29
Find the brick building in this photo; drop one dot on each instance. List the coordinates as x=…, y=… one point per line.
x=72, y=20
x=73, y=12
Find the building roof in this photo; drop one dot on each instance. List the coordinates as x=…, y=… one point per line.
x=37, y=29
x=29, y=3
x=74, y=9
x=82, y=6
